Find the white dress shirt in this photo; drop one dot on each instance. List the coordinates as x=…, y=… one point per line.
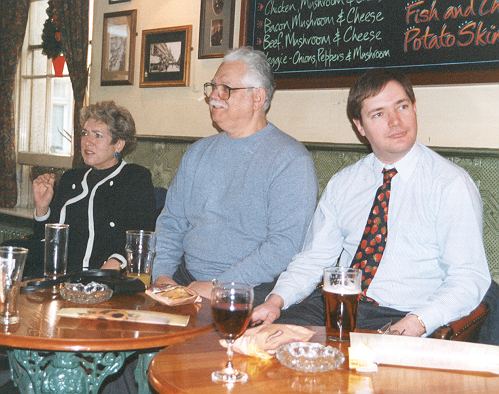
x=434, y=263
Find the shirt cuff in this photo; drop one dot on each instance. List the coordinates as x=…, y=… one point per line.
x=41, y=218
x=287, y=298
x=120, y=258
x=429, y=319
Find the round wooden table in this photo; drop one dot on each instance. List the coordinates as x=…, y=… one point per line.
x=48, y=353
x=187, y=368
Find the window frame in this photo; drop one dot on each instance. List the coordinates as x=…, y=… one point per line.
x=45, y=159
x=25, y=156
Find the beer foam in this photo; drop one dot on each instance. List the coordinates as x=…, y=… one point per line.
x=341, y=289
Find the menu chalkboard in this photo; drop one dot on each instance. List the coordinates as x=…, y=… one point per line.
x=314, y=38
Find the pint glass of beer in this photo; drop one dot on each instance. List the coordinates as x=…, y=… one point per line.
x=341, y=293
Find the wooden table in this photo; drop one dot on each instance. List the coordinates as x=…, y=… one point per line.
x=187, y=368
x=51, y=354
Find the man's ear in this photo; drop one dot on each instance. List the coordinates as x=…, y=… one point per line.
x=259, y=96
x=358, y=125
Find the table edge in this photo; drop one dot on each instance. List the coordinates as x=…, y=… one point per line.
x=98, y=345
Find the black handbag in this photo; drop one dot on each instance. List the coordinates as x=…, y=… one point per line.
x=116, y=280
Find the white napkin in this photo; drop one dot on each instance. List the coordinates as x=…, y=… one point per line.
x=423, y=352
x=263, y=341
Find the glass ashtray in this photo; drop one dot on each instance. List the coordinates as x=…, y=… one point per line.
x=309, y=357
x=91, y=293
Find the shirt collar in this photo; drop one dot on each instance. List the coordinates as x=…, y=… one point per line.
x=405, y=166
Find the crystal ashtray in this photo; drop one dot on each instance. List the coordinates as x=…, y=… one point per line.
x=91, y=293
x=309, y=357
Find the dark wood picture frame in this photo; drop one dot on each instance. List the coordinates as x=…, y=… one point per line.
x=118, y=48
x=118, y=1
x=165, y=57
x=216, y=28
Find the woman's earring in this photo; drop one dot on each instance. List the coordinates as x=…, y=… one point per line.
x=117, y=155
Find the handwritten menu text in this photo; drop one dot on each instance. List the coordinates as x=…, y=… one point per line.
x=324, y=35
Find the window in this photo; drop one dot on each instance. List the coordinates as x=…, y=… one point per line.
x=45, y=102
x=44, y=107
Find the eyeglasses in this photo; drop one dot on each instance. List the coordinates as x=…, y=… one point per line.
x=222, y=90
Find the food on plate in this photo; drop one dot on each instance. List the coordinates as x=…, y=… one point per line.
x=176, y=293
x=173, y=295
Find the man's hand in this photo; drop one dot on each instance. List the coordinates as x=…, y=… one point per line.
x=43, y=192
x=409, y=325
x=269, y=311
x=164, y=280
x=112, y=264
x=203, y=288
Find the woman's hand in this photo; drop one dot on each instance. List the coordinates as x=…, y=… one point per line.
x=112, y=264
x=43, y=192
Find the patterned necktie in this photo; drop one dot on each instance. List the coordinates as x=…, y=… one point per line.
x=372, y=244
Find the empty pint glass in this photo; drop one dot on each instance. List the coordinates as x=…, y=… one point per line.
x=12, y=261
x=56, y=250
x=341, y=293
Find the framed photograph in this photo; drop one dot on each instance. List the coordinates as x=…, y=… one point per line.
x=118, y=1
x=118, y=48
x=216, y=28
x=165, y=57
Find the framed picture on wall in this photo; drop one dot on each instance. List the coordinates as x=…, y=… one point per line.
x=165, y=57
x=118, y=1
x=118, y=48
x=216, y=28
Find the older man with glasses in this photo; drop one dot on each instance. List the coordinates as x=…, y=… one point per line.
x=241, y=201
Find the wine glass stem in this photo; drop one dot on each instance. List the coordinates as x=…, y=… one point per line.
x=230, y=355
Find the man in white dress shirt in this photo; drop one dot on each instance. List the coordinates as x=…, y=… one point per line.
x=433, y=269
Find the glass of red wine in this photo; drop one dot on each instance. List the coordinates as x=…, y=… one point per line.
x=231, y=307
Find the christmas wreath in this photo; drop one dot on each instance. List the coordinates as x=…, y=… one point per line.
x=51, y=36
